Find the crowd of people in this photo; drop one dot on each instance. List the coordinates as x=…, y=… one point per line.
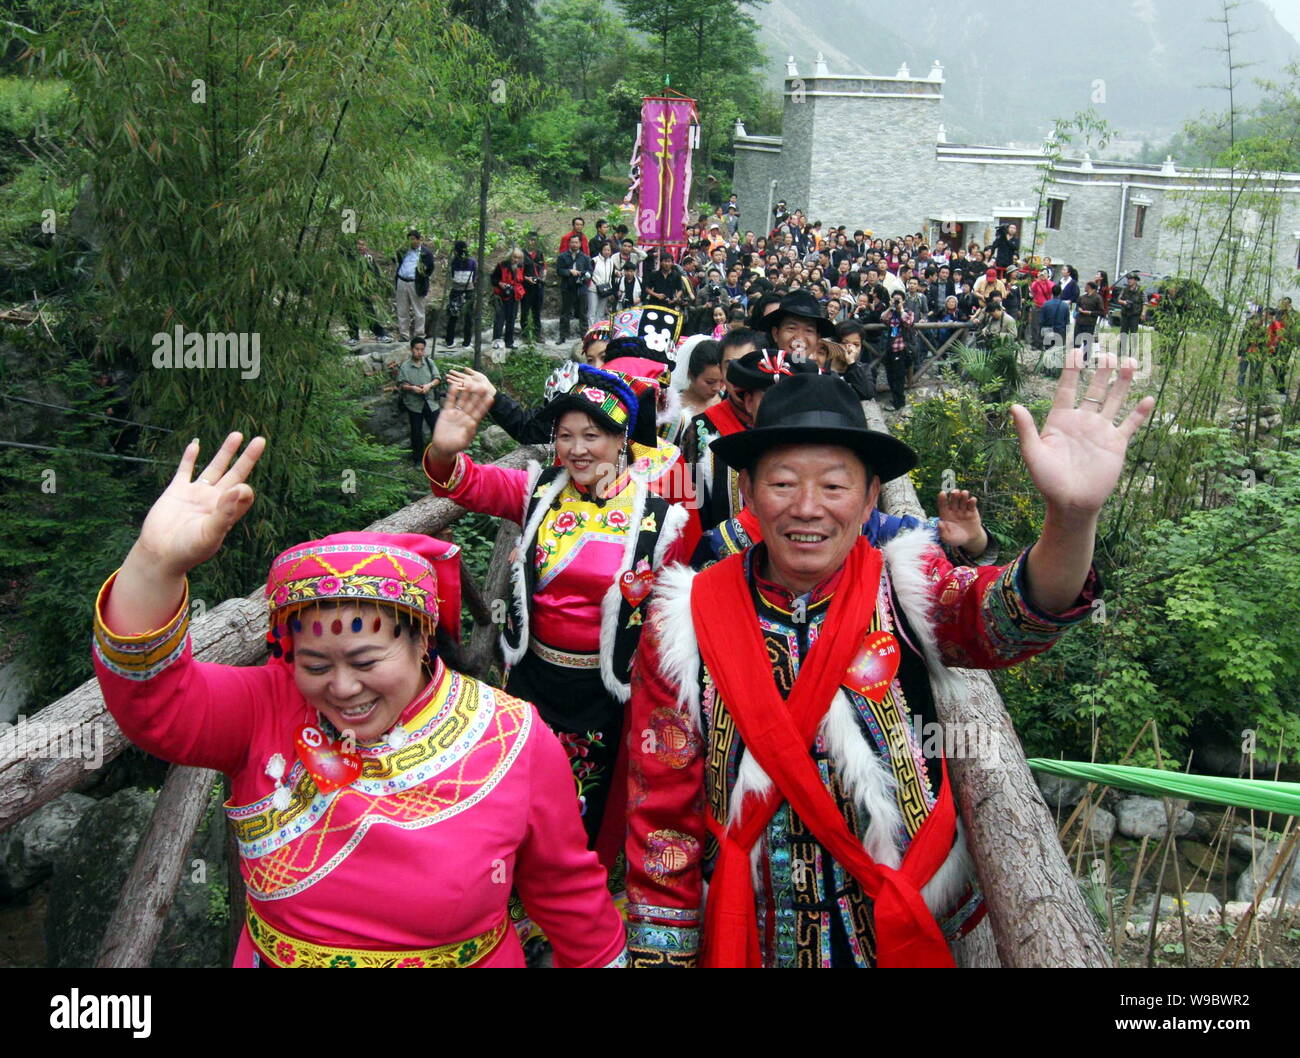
x=717, y=654
x=880, y=303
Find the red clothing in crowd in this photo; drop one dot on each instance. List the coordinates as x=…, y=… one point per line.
x=564, y=243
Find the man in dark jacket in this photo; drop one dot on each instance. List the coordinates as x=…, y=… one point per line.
x=414, y=270
x=1005, y=247
x=574, y=270
x=941, y=289
x=535, y=288
x=1054, y=319
x=1131, y=300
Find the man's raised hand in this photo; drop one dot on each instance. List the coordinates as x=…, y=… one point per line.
x=1078, y=456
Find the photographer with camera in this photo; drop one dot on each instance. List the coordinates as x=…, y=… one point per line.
x=507, y=293
x=574, y=269
x=667, y=285
x=628, y=292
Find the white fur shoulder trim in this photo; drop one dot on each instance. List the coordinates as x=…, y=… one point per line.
x=956, y=872
x=518, y=580
x=910, y=590
x=613, y=598
x=675, y=519
x=679, y=650
x=867, y=781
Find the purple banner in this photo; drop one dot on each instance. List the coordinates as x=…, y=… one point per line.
x=667, y=135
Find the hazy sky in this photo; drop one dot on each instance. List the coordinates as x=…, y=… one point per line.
x=1288, y=13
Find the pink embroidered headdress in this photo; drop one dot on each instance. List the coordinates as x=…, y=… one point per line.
x=415, y=575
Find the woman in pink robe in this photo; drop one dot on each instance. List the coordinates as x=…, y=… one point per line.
x=384, y=804
x=594, y=535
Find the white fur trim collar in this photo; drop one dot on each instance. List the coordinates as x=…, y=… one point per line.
x=518, y=578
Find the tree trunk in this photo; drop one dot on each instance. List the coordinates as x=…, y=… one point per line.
x=146, y=897
x=1038, y=915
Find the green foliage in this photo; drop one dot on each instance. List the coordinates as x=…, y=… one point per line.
x=1190, y=637
x=995, y=370
x=231, y=206
x=977, y=442
x=31, y=107
x=67, y=522
x=25, y=198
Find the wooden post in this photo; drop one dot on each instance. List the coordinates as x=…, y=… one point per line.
x=146, y=897
x=1038, y=915
x=483, y=640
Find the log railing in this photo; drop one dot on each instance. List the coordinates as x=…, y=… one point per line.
x=936, y=356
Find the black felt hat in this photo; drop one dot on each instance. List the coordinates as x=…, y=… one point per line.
x=815, y=409
x=801, y=305
x=762, y=368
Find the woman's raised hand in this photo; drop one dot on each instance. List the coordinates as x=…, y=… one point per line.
x=189, y=521
x=462, y=411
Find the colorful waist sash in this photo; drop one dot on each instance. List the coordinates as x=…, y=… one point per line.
x=279, y=949
x=563, y=658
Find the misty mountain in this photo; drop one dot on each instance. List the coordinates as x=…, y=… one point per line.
x=1013, y=67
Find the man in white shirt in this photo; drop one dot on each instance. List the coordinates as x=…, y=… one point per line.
x=414, y=268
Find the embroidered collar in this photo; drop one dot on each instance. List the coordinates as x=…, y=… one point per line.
x=780, y=597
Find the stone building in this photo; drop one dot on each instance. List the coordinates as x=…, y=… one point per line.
x=871, y=152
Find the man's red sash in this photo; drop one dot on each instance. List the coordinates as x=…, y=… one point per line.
x=779, y=733
x=723, y=417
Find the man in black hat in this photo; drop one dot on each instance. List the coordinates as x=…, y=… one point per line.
x=797, y=325
x=778, y=690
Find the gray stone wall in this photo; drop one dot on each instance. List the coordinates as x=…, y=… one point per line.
x=873, y=160
x=797, y=122
x=754, y=171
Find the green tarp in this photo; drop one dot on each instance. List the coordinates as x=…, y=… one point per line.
x=1264, y=795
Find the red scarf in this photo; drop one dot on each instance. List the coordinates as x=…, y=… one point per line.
x=723, y=417
x=779, y=734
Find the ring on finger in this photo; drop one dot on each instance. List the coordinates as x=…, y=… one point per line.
x=1095, y=400
x=205, y=481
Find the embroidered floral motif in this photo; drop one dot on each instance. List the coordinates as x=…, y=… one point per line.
x=585, y=771
x=669, y=852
